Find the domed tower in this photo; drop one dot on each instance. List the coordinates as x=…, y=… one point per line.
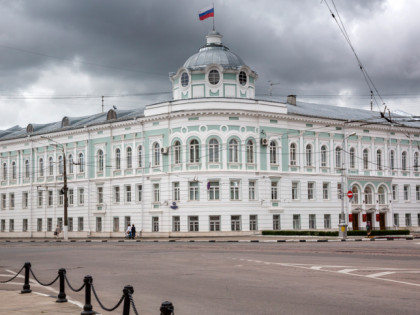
x=213, y=72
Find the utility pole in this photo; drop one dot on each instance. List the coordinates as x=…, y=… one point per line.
x=66, y=203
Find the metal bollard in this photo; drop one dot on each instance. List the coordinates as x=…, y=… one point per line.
x=87, y=308
x=128, y=289
x=27, y=286
x=166, y=308
x=62, y=294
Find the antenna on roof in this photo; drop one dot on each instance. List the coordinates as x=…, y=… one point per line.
x=114, y=107
x=102, y=103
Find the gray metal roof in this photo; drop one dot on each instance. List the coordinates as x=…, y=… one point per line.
x=214, y=54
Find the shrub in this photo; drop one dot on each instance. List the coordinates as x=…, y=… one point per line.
x=335, y=233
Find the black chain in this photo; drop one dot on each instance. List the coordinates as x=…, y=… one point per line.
x=44, y=284
x=103, y=307
x=132, y=303
x=13, y=276
x=68, y=283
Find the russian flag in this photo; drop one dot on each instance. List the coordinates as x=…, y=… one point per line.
x=206, y=13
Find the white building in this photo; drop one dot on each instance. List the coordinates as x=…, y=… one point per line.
x=213, y=161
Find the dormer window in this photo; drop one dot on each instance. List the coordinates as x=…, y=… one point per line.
x=242, y=78
x=214, y=77
x=185, y=79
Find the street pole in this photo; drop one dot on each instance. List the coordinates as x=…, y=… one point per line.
x=65, y=229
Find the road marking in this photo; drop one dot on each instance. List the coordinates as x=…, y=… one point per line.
x=346, y=270
x=380, y=274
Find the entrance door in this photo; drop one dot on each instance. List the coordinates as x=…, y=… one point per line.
x=355, y=221
x=382, y=221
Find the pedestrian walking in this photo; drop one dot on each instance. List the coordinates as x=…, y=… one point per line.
x=368, y=228
x=128, y=231
x=133, y=232
x=57, y=232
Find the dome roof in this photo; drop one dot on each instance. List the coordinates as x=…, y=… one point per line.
x=214, y=52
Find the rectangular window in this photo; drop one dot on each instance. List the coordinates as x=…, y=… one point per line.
x=11, y=225
x=80, y=226
x=235, y=222
x=156, y=195
x=176, y=191
x=49, y=224
x=39, y=225
x=325, y=191
x=214, y=223
x=116, y=224
x=117, y=194
x=128, y=193
x=251, y=190
x=50, y=198
x=406, y=192
x=311, y=191
x=155, y=224
x=274, y=192
x=193, y=223
x=394, y=192
x=213, y=190
x=253, y=222
x=127, y=221
x=81, y=196
x=98, y=224
x=70, y=226
x=24, y=225
x=396, y=220
x=295, y=189
x=193, y=191
x=3, y=225
x=327, y=221
x=11, y=200
x=139, y=193
x=60, y=198
x=40, y=198
x=339, y=192
x=234, y=190
x=408, y=219
x=417, y=193
x=25, y=199
x=176, y=224
x=100, y=195
x=276, y=222
x=418, y=219
x=3, y=201
x=71, y=197
x=60, y=223
x=296, y=221
x=312, y=221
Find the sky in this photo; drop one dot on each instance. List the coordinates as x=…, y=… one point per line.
x=59, y=57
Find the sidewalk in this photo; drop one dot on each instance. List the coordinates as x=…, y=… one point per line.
x=13, y=302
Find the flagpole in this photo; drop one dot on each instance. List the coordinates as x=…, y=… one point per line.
x=213, y=17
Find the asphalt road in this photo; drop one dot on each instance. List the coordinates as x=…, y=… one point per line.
x=235, y=278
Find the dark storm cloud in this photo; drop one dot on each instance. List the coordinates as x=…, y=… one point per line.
x=102, y=47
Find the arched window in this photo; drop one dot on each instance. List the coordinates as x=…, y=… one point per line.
x=404, y=161
x=392, y=160
x=100, y=157
x=118, y=159
x=416, y=161
x=129, y=158
x=379, y=160
x=177, y=152
x=213, y=151
x=292, y=154
x=233, y=151
x=308, y=155
x=366, y=159
x=368, y=195
x=250, y=152
x=324, y=156
x=140, y=156
x=156, y=154
x=194, y=151
x=70, y=162
x=381, y=195
x=338, y=163
x=4, y=171
x=26, y=168
x=13, y=170
x=50, y=166
x=352, y=158
x=355, y=199
x=60, y=165
x=41, y=167
x=81, y=163
x=273, y=152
